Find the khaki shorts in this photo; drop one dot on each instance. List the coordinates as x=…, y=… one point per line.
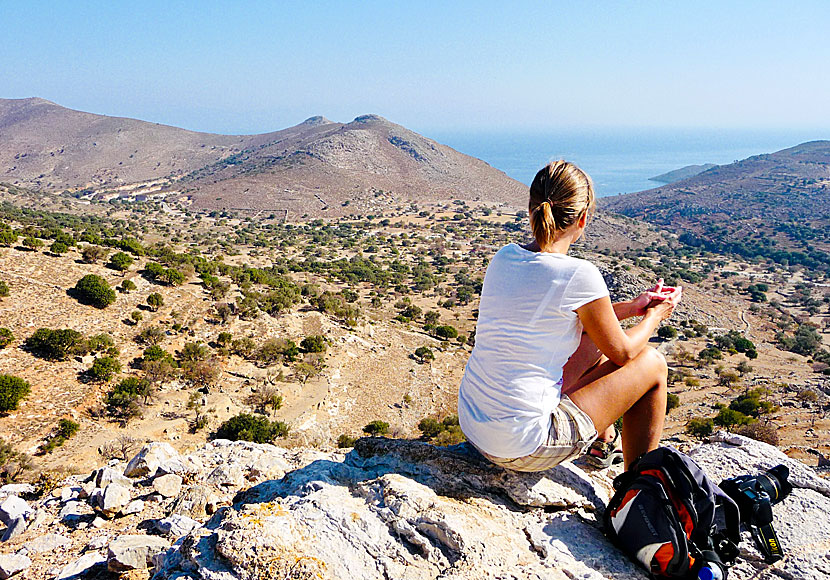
x=571, y=433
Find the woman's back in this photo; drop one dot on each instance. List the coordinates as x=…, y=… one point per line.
x=526, y=331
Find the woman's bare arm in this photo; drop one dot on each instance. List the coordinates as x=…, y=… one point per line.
x=600, y=322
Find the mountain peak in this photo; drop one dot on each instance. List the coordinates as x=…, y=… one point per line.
x=369, y=119
x=316, y=120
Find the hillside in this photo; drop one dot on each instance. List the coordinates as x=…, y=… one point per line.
x=317, y=168
x=682, y=173
x=773, y=206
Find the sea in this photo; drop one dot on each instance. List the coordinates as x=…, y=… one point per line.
x=620, y=160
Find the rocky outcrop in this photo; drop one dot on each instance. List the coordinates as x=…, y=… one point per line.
x=386, y=509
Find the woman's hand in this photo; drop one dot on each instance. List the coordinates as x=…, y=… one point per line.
x=651, y=297
x=663, y=308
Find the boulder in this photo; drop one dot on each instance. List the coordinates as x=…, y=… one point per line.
x=134, y=507
x=106, y=475
x=46, y=543
x=147, y=461
x=17, y=489
x=15, y=528
x=169, y=485
x=113, y=499
x=80, y=567
x=193, y=502
x=176, y=525
x=11, y=564
x=73, y=512
x=134, y=552
x=13, y=508
x=408, y=510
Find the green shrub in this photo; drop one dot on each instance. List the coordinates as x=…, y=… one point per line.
x=155, y=301
x=4, y=289
x=446, y=332
x=121, y=261
x=127, y=286
x=94, y=290
x=55, y=344
x=376, y=427
x=66, y=429
x=123, y=400
x=446, y=432
x=672, y=402
x=32, y=243
x=7, y=236
x=667, y=332
x=245, y=427
x=58, y=248
x=344, y=441
x=728, y=418
x=424, y=354
x=315, y=343
x=6, y=337
x=12, y=391
x=12, y=463
x=104, y=368
x=750, y=403
x=700, y=427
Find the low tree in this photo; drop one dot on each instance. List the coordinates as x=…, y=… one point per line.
x=32, y=243
x=55, y=344
x=672, y=402
x=6, y=337
x=4, y=289
x=446, y=332
x=315, y=343
x=155, y=301
x=150, y=335
x=12, y=390
x=376, y=427
x=246, y=427
x=136, y=316
x=700, y=428
x=424, y=354
x=127, y=286
x=94, y=290
x=121, y=261
x=58, y=248
x=104, y=369
x=667, y=332
x=265, y=397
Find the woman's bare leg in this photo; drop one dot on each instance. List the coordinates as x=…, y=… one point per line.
x=637, y=391
x=585, y=358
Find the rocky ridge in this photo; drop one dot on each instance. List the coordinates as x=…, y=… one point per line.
x=386, y=509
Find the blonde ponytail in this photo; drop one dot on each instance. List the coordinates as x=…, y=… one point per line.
x=561, y=193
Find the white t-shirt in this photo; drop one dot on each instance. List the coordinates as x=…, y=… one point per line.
x=527, y=330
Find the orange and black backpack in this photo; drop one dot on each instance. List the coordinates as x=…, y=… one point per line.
x=670, y=518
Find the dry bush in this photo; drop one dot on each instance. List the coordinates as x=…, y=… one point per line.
x=765, y=432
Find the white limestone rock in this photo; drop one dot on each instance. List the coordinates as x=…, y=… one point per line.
x=147, y=461
x=169, y=485
x=11, y=564
x=46, y=543
x=176, y=525
x=13, y=508
x=134, y=552
x=401, y=509
x=81, y=566
x=113, y=499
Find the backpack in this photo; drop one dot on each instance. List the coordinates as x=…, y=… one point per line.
x=670, y=518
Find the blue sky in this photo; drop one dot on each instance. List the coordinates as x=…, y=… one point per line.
x=243, y=67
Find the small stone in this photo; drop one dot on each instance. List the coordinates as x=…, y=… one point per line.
x=12, y=508
x=17, y=489
x=99, y=522
x=73, y=511
x=169, y=485
x=11, y=564
x=134, y=552
x=176, y=525
x=15, y=528
x=46, y=543
x=97, y=543
x=40, y=517
x=134, y=507
x=81, y=565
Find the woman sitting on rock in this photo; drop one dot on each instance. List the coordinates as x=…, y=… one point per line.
x=551, y=365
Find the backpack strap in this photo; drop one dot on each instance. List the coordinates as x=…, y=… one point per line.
x=726, y=541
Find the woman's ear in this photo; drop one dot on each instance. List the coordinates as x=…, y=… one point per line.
x=583, y=219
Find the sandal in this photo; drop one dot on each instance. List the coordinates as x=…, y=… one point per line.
x=604, y=454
